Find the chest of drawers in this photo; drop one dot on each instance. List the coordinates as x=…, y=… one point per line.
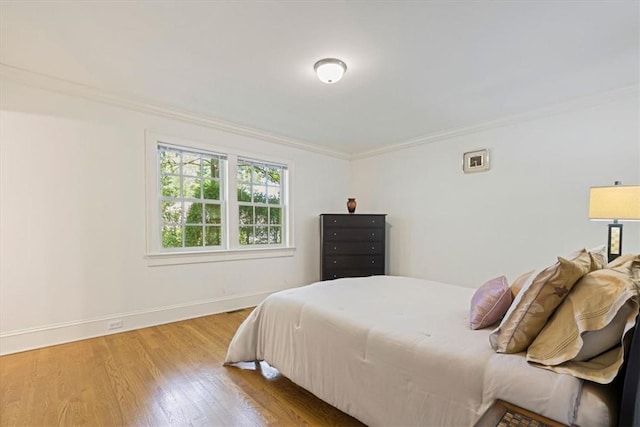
x=351, y=245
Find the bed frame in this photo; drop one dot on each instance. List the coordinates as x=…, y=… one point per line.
x=630, y=399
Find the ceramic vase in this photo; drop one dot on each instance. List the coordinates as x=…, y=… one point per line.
x=351, y=205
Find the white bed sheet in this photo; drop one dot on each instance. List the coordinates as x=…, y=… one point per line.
x=557, y=396
x=361, y=345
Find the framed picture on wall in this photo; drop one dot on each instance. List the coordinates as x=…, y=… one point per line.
x=475, y=161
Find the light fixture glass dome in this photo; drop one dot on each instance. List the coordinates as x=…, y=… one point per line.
x=330, y=70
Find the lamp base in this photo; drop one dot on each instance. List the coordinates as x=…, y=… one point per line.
x=615, y=241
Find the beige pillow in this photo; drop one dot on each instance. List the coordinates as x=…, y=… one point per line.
x=624, y=263
x=517, y=284
x=601, y=369
x=593, y=318
x=599, y=257
x=541, y=294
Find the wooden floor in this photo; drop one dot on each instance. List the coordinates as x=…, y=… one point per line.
x=165, y=375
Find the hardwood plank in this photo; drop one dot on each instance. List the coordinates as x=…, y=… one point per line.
x=165, y=375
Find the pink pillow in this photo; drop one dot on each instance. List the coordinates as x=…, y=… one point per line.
x=490, y=303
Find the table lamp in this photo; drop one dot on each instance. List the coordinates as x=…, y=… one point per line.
x=617, y=203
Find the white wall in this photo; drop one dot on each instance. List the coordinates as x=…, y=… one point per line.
x=72, y=211
x=72, y=223
x=530, y=207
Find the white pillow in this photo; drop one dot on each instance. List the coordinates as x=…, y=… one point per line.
x=597, y=342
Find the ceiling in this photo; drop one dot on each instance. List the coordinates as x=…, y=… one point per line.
x=414, y=68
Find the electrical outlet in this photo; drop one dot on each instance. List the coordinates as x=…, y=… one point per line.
x=115, y=324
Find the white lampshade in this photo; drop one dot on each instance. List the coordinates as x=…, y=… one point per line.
x=621, y=202
x=330, y=70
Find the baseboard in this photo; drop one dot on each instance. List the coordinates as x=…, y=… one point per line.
x=29, y=339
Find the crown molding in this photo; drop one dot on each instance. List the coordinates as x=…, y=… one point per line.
x=70, y=88
x=572, y=105
x=66, y=87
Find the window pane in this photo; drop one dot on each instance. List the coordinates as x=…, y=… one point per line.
x=212, y=236
x=262, y=237
x=170, y=186
x=193, y=235
x=259, y=194
x=211, y=189
x=244, y=173
x=261, y=215
x=246, y=215
x=194, y=213
x=274, y=176
x=191, y=188
x=275, y=216
x=171, y=212
x=191, y=164
x=244, y=193
x=211, y=167
x=246, y=236
x=274, y=195
x=212, y=214
x=275, y=235
x=169, y=161
x=171, y=237
x=259, y=174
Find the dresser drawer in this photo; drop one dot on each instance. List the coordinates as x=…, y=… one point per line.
x=354, y=234
x=330, y=273
x=353, y=261
x=353, y=248
x=352, y=221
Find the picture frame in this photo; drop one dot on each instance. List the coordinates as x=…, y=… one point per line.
x=475, y=161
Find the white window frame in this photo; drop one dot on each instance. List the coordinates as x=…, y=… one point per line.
x=230, y=248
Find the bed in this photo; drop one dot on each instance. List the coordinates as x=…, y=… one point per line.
x=361, y=345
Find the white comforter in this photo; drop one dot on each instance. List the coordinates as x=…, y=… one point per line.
x=394, y=351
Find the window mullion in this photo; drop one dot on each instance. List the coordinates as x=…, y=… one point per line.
x=183, y=219
x=233, y=217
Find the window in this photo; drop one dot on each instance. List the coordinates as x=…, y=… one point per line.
x=206, y=204
x=260, y=202
x=190, y=198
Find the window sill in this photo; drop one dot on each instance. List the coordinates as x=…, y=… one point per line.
x=176, y=258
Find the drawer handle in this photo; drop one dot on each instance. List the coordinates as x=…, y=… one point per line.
x=373, y=234
x=373, y=221
x=335, y=262
x=334, y=248
x=335, y=234
x=335, y=276
x=335, y=221
x=373, y=262
x=373, y=248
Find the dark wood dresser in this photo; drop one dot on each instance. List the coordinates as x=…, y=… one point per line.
x=352, y=245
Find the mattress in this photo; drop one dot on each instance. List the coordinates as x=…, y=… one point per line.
x=398, y=351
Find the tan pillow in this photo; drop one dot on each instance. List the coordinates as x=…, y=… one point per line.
x=599, y=257
x=601, y=369
x=624, y=263
x=540, y=295
x=517, y=284
x=593, y=318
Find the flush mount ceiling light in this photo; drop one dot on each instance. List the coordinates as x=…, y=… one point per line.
x=330, y=70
